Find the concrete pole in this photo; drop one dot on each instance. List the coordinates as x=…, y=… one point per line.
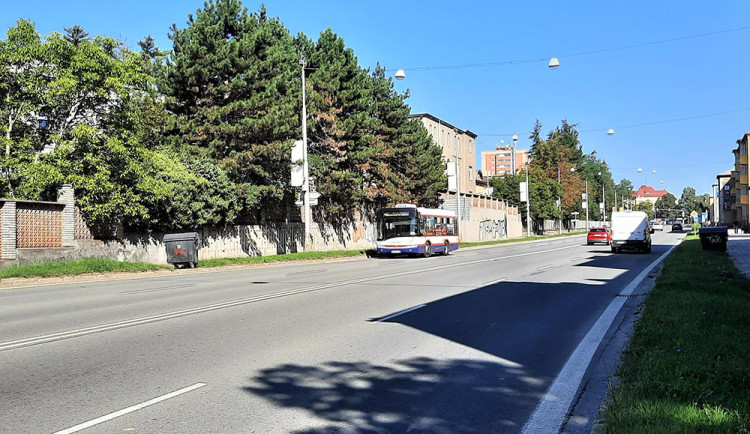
x=587, y=205
x=559, y=206
x=528, y=199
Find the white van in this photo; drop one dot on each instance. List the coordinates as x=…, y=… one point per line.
x=631, y=230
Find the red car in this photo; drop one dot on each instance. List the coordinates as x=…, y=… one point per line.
x=599, y=235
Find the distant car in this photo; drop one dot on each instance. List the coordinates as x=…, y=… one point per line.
x=676, y=227
x=657, y=226
x=599, y=235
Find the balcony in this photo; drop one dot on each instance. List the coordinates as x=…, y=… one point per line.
x=744, y=199
x=743, y=179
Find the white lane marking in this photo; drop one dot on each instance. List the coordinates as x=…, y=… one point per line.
x=492, y=282
x=129, y=409
x=207, y=308
x=545, y=267
x=411, y=309
x=553, y=408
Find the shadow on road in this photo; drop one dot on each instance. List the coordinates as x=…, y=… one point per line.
x=405, y=396
x=531, y=329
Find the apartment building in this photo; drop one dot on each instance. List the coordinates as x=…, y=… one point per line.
x=456, y=144
x=739, y=182
x=503, y=160
x=721, y=201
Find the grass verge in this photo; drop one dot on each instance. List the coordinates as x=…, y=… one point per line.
x=302, y=256
x=81, y=266
x=96, y=265
x=516, y=240
x=687, y=367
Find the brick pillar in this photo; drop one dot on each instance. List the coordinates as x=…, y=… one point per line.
x=8, y=215
x=66, y=196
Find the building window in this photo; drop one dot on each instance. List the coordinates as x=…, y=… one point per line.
x=471, y=173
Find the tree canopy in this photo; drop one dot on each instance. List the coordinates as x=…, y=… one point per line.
x=201, y=134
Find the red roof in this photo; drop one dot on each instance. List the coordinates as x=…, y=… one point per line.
x=648, y=191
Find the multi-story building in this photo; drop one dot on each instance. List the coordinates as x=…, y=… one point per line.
x=456, y=144
x=721, y=205
x=739, y=182
x=503, y=160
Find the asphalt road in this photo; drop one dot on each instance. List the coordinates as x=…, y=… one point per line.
x=470, y=342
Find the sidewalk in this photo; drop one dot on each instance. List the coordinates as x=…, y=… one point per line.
x=738, y=247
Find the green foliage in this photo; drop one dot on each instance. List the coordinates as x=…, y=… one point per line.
x=647, y=207
x=24, y=71
x=667, y=206
x=201, y=135
x=234, y=90
x=187, y=192
x=559, y=168
x=507, y=188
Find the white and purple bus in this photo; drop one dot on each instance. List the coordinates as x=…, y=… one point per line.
x=406, y=228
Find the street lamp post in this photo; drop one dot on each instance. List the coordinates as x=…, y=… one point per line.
x=604, y=205
x=513, y=155
x=528, y=200
x=305, y=167
x=559, y=206
x=587, y=204
x=573, y=169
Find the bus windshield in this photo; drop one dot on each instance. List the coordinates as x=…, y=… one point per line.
x=396, y=222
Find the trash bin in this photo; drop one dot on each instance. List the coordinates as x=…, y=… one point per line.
x=713, y=238
x=182, y=249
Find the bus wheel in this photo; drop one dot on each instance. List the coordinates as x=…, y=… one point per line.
x=447, y=250
x=427, y=250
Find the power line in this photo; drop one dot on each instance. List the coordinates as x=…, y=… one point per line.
x=687, y=118
x=584, y=53
x=663, y=41
x=642, y=124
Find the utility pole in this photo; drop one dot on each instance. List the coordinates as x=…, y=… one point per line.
x=559, y=206
x=305, y=168
x=528, y=199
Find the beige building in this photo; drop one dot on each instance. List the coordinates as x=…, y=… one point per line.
x=721, y=201
x=501, y=161
x=455, y=143
x=739, y=182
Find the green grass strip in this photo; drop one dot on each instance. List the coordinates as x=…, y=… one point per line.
x=98, y=265
x=302, y=256
x=72, y=268
x=516, y=240
x=687, y=367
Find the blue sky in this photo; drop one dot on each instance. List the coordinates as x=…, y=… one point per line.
x=677, y=107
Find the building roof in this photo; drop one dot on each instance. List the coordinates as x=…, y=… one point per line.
x=442, y=122
x=727, y=174
x=648, y=191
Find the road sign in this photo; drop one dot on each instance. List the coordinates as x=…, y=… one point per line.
x=694, y=214
x=524, y=191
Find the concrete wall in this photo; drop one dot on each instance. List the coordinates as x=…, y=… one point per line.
x=234, y=242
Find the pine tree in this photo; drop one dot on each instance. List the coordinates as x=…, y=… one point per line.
x=340, y=141
x=234, y=91
x=75, y=34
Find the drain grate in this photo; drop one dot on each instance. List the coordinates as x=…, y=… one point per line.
x=628, y=295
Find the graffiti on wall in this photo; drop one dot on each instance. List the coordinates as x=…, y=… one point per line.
x=492, y=229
